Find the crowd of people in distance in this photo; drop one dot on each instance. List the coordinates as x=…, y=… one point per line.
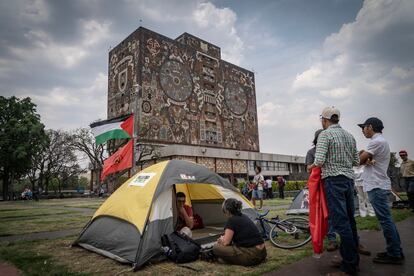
x=260, y=188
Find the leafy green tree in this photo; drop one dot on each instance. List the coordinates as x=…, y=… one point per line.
x=22, y=137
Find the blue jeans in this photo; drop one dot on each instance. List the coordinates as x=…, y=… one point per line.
x=340, y=198
x=331, y=233
x=379, y=200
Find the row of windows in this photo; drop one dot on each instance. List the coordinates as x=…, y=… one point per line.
x=269, y=165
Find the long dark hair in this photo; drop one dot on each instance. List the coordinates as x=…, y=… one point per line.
x=233, y=206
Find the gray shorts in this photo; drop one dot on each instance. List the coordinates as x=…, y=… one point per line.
x=257, y=194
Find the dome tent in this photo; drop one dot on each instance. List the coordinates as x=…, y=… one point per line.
x=129, y=225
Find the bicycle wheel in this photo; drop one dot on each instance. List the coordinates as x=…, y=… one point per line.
x=290, y=233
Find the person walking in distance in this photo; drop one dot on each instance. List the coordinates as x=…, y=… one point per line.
x=281, y=182
x=269, y=188
x=378, y=186
x=336, y=154
x=407, y=173
x=258, y=187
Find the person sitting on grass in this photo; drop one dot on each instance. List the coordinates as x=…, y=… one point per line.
x=241, y=244
x=185, y=216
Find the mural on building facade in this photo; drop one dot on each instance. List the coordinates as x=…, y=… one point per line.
x=185, y=93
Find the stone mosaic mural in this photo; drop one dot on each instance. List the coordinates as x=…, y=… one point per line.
x=183, y=91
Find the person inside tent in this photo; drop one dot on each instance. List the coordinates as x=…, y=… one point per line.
x=241, y=244
x=185, y=216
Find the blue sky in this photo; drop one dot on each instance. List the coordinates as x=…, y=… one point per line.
x=307, y=55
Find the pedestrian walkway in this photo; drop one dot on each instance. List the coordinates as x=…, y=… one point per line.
x=374, y=241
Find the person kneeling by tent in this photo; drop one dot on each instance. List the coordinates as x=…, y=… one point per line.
x=185, y=216
x=241, y=243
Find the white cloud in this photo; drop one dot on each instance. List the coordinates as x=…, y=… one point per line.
x=58, y=104
x=362, y=57
x=43, y=47
x=219, y=25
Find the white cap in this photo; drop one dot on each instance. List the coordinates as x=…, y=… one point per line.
x=329, y=111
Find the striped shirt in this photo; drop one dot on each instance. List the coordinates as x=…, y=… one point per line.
x=336, y=152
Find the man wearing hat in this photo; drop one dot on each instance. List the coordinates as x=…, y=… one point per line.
x=309, y=160
x=336, y=154
x=378, y=186
x=407, y=173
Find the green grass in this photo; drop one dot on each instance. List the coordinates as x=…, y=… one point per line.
x=403, y=195
x=277, y=201
x=30, y=213
x=33, y=263
x=42, y=224
x=371, y=223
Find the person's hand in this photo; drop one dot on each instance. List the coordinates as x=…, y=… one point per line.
x=182, y=211
x=220, y=240
x=370, y=162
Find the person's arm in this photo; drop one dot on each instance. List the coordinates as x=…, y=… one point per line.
x=355, y=161
x=226, y=238
x=309, y=160
x=366, y=157
x=321, y=150
x=189, y=220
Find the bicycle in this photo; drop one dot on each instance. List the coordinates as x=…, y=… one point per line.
x=287, y=233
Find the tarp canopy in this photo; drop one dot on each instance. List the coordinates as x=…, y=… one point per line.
x=129, y=225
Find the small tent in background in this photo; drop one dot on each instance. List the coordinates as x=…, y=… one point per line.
x=300, y=204
x=129, y=225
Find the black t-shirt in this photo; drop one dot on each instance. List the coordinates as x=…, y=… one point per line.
x=246, y=233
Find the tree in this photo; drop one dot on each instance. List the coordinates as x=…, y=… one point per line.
x=84, y=141
x=145, y=152
x=22, y=137
x=60, y=160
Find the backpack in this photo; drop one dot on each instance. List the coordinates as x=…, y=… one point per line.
x=180, y=248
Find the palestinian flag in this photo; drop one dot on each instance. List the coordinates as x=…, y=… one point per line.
x=119, y=161
x=116, y=128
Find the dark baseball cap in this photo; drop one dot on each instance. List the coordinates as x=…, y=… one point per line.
x=374, y=122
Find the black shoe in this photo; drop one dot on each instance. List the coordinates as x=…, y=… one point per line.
x=384, y=254
x=208, y=256
x=388, y=260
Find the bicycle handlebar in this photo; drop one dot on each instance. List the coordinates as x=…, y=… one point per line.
x=262, y=215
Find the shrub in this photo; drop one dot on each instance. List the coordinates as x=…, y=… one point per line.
x=291, y=185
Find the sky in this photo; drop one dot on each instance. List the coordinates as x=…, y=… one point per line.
x=306, y=55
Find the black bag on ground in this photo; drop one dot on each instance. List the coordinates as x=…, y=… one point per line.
x=181, y=248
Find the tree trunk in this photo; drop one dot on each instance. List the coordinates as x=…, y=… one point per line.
x=6, y=182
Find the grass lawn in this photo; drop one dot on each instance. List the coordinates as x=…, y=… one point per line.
x=56, y=257
x=277, y=201
x=24, y=217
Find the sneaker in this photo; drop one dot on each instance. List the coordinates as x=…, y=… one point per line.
x=384, y=254
x=332, y=246
x=388, y=259
x=363, y=250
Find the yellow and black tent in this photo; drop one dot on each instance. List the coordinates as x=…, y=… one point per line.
x=129, y=225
